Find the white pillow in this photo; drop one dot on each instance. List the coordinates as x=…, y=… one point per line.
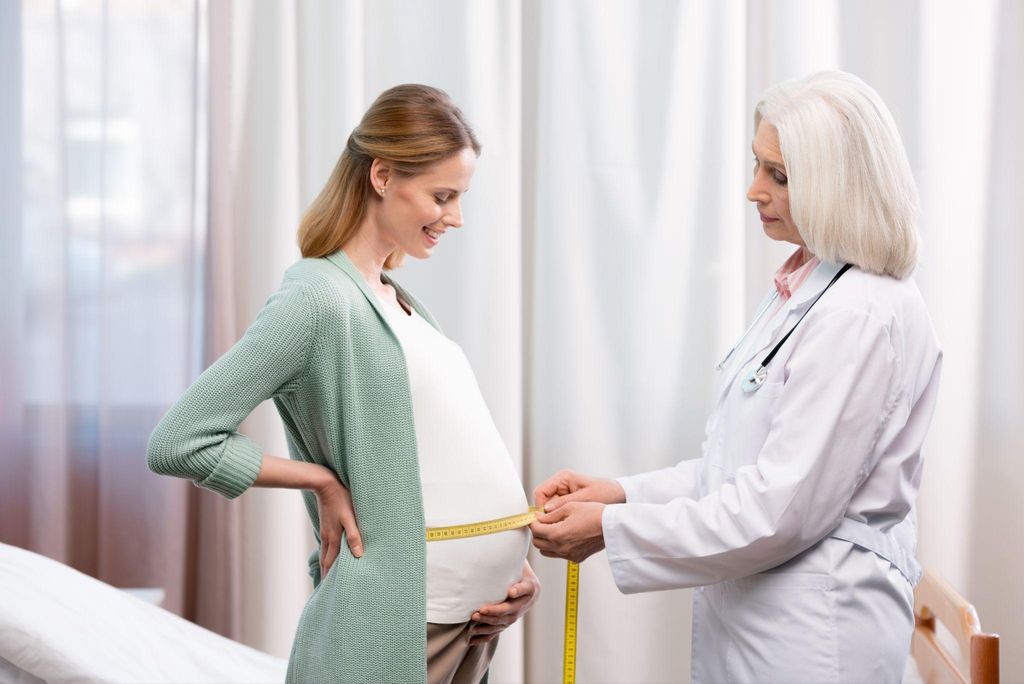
x=61, y=625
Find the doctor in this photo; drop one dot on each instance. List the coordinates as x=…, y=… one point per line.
x=797, y=523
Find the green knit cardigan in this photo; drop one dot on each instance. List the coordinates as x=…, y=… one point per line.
x=322, y=349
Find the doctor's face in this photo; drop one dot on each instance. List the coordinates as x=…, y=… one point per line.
x=769, y=190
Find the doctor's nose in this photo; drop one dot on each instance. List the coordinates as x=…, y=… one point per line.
x=757, y=192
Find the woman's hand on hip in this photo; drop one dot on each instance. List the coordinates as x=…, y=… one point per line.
x=491, y=620
x=337, y=517
x=567, y=485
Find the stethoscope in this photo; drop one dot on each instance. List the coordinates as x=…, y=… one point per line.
x=755, y=378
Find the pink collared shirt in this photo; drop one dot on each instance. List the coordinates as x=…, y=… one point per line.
x=794, y=272
x=791, y=275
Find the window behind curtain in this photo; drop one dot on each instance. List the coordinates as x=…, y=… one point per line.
x=107, y=261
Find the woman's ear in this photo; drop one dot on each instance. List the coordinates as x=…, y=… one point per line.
x=380, y=174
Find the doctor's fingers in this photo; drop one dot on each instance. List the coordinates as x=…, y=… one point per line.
x=556, y=516
x=556, y=502
x=552, y=548
x=562, y=482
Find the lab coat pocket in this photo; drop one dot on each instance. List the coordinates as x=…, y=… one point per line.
x=746, y=422
x=783, y=628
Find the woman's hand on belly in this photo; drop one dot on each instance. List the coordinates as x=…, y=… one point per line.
x=491, y=620
x=337, y=517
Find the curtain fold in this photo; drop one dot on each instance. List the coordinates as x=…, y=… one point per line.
x=994, y=566
x=639, y=183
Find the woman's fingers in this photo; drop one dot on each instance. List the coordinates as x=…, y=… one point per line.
x=504, y=613
x=337, y=518
x=327, y=555
x=522, y=589
x=355, y=540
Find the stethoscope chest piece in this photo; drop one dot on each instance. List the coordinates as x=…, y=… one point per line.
x=754, y=379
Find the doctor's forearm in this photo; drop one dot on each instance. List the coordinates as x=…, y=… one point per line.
x=664, y=485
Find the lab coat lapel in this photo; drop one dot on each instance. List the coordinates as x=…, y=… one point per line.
x=817, y=281
x=770, y=333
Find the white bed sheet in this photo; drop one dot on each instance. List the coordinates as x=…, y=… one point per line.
x=59, y=625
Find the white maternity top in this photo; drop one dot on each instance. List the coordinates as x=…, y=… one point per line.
x=465, y=471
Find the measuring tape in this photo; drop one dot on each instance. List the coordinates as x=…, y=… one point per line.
x=572, y=578
x=572, y=599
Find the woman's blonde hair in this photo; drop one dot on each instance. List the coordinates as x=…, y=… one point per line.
x=851, y=193
x=410, y=127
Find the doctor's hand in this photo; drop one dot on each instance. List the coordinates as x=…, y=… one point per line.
x=567, y=485
x=337, y=516
x=573, y=531
x=491, y=620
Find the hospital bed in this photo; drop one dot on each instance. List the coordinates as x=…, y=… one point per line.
x=60, y=625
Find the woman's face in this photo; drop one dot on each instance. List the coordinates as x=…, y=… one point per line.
x=416, y=211
x=769, y=188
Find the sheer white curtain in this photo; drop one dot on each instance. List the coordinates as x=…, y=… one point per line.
x=103, y=244
x=636, y=253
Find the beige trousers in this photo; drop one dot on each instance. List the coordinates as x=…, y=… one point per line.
x=450, y=658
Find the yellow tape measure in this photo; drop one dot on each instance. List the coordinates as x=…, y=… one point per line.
x=478, y=529
x=572, y=599
x=572, y=578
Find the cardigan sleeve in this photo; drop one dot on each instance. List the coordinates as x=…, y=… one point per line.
x=198, y=438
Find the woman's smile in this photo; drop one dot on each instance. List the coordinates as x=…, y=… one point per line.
x=432, y=236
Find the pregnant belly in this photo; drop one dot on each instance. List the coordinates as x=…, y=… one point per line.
x=465, y=574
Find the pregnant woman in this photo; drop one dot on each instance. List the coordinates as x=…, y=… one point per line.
x=387, y=430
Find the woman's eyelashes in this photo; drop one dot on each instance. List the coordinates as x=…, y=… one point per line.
x=440, y=199
x=778, y=176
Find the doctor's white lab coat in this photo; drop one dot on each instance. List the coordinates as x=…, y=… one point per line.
x=797, y=523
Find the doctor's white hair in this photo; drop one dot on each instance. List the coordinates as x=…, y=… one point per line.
x=851, y=193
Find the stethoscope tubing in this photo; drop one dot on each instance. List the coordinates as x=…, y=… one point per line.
x=756, y=377
x=757, y=317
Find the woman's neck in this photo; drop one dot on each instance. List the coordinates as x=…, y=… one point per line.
x=368, y=252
